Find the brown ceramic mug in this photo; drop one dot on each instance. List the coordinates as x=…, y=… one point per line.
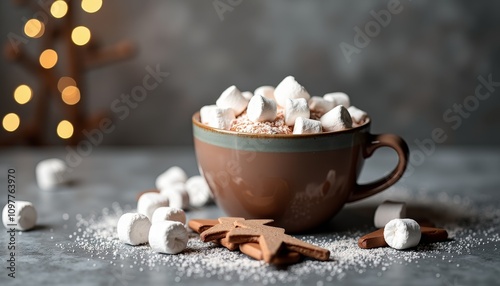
x=300, y=181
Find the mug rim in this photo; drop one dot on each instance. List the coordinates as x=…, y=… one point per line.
x=196, y=121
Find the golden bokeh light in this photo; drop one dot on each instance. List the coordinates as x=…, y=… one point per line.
x=91, y=6
x=11, y=122
x=22, y=94
x=71, y=95
x=64, y=82
x=34, y=28
x=65, y=129
x=48, y=58
x=59, y=8
x=80, y=35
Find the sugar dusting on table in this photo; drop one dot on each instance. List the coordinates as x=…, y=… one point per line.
x=470, y=226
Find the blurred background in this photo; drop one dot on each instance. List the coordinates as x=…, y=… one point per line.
x=412, y=65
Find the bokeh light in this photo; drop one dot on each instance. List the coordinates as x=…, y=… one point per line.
x=11, y=122
x=34, y=28
x=59, y=8
x=22, y=94
x=64, y=82
x=91, y=6
x=80, y=35
x=48, y=58
x=71, y=95
x=65, y=129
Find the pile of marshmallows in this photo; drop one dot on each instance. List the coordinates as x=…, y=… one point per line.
x=399, y=232
x=160, y=218
x=333, y=108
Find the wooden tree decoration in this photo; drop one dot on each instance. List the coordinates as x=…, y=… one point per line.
x=60, y=81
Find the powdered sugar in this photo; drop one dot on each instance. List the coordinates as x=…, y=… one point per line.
x=471, y=227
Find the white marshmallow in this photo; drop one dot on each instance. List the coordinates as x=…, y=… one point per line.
x=169, y=237
x=133, y=228
x=20, y=215
x=199, y=191
x=295, y=108
x=232, y=98
x=339, y=98
x=51, y=173
x=261, y=109
x=149, y=202
x=336, y=119
x=217, y=117
x=320, y=105
x=358, y=116
x=171, y=176
x=247, y=95
x=266, y=91
x=206, y=113
x=289, y=88
x=402, y=233
x=306, y=126
x=388, y=211
x=169, y=213
x=177, y=195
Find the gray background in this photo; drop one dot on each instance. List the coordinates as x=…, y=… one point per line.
x=427, y=59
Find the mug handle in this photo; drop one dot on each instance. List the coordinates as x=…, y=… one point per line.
x=373, y=143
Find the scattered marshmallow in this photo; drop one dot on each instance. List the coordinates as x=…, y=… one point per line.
x=402, y=233
x=177, y=195
x=339, y=98
x=20, y=215
x=169, y=213
x=266, y=91
x=289, y=88
x=171, y=176
x=295, y=108
x=51, y=173
x=232, y=98
x=133, y=228
x=168, y=237
x=198, y=190
x=320, y=105
x=247, y=95
x=261, y=109
x=388, y=211
x=217, y=117
x=149, y=202
x=336, y=119
x=358, y=116
x=306, y=126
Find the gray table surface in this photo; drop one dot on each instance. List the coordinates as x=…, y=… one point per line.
x=110, y=175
